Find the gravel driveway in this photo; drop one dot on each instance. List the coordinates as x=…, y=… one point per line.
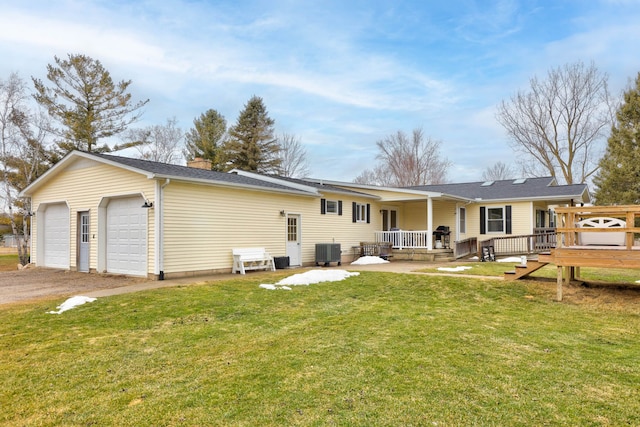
x=37, y=283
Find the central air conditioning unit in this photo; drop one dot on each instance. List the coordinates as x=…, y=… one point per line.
x=327, y=253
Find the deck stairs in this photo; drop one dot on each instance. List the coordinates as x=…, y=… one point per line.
x=522, y=270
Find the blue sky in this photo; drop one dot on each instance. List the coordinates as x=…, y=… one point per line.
x=340, y=75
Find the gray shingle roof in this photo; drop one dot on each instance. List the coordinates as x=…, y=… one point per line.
x=508, y=189
x=320, y=186
x=193, y=174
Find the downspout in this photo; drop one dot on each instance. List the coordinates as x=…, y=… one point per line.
x=160, y=228
x=429, y=223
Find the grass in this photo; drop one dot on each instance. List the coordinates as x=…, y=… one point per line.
x=378, y=349
x=614, y=275
x=8, y=262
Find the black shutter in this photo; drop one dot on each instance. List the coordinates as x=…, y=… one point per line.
x=483, y=220
x=368, y=213
x=507, y=220
x=323, y=206
x=354, y=210
x=339, y=207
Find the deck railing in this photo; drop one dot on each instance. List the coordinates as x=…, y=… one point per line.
x=466, y=247
x=542, y=240
x=523, y=244
x=402, y=239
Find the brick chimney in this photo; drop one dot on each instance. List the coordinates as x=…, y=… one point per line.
x=200, y=163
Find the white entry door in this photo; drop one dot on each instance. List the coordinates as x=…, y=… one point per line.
x=127, y=236
x=83, y=242
x=56, y=236
x=294, y=248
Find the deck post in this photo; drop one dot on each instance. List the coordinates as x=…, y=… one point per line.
x=559, y=284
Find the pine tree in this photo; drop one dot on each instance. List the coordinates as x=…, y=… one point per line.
x=206, y=139
x=618, y=180
x=252, y=145
x=87, y=104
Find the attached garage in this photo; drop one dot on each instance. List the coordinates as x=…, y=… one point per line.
x=55, y=235
x=127, y=236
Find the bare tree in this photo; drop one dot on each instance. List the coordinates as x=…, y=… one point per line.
x=293, y=157
x=22, y=156
x=498, y=171
x=406, y=161
x=556, y=127
x=159, y=143
x=378, y=175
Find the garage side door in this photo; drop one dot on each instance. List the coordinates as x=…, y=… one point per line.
x=56, y=236
x=127, y=237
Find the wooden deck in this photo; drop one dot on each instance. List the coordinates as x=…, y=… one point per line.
x=569, y=254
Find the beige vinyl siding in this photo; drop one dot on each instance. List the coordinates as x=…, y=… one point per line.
x=204, y=223
x=444, y=213
x=392, y=195
x=82, y=186
x=520, y=219
x=341, y=229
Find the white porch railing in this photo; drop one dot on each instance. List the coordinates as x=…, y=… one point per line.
x=404, y=239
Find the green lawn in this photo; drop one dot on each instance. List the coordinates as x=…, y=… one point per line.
x=379, y=349
x=550, y=271
x=8, y=262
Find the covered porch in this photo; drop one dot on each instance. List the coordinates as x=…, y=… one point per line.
x=425, y=221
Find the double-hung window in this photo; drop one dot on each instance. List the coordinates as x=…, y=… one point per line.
x=330, y=207
x=495, y=219
x=462, y=220
x=361, y=212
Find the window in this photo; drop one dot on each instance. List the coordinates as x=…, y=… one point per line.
x=540, y=218
x=361, y=212
x=330, y=206
x=84, y=228
x=292, y=229
x=495, y=220
x=389, y=219
x=462, y=220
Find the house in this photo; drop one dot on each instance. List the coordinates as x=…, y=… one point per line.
x=105, y=213
x=475, y=211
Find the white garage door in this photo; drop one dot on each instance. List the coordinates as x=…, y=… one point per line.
x=127, y=237
x=56, y=236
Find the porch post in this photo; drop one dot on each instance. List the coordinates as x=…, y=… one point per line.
x=429, y=224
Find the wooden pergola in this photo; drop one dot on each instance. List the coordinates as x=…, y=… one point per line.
x=612, y=245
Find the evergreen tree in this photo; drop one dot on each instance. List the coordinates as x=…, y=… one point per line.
x=86, y=102
x=206, y=139
x=252, y=145
x=618, y=180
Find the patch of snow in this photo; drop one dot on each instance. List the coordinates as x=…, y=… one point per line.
x=510, y=259
x=454, y=269
x=309, y=278
x=72, y=303
x=369, y=260
x=474, y=258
